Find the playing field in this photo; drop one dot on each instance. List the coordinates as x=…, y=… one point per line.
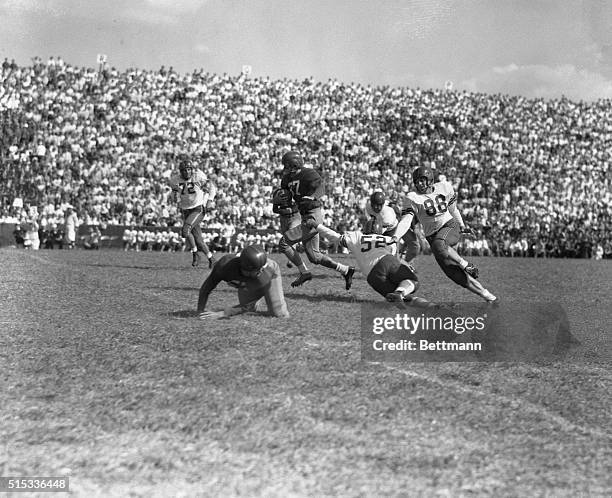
x=107, y=376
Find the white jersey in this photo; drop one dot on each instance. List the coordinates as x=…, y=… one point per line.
x=386, y=219
x=193, y=191
x=366, y=249
x=431, y=209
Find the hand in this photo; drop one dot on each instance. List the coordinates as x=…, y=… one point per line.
x=311, y=223
x=210, y=315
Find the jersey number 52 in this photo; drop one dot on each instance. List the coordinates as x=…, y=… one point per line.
x=369, y=241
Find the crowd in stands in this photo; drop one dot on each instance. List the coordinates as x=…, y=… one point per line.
x=532, y=175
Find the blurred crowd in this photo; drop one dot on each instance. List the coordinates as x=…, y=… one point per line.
x=532, y=175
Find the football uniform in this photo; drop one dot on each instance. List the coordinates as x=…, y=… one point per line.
x=290, y=219
x=307, y=188
x=374, y=257
x=252, y=291
x=387, y=220
x=193, y=192
x=431, y=209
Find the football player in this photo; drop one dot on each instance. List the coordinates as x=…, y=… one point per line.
x=290, y=228
x=392, y=278
x=386, y=217
x=306, y=188
x=257, y=279
x=434, y=205
x=194, y=191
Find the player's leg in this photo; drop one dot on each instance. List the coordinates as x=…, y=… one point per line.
x=311, y=239
x=188, y=216
x=268, y=299
x=291, y=236
x=190, y=230
x=442, y=246
x=411, y=246
x=200, y=244
x=274, y=296
x=460, y=277
x=315, y=256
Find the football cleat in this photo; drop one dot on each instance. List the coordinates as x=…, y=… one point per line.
x=302, y=279
x=196, y=259
x=348, y=278
x=471, y=270
x=395, y=297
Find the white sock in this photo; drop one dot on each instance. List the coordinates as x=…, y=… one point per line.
x=342, y=268
x=488, y=296
x=405, y=287
x=463, y=263
x=195, y=249
x=209, y=255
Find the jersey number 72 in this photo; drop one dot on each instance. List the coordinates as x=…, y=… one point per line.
x=187, y=185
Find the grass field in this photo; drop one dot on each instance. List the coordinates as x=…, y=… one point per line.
x=107, y=376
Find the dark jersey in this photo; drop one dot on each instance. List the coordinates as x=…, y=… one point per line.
x=227, y=269
x=307, y=188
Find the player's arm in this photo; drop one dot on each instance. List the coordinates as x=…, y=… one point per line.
x=311, y=187
x=282, y=202
x=405, y=222
x=454, y=211
x=208, y=286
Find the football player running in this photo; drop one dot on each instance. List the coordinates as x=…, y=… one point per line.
x=194, y=192
x=257, y=279
x=290, y=228
x=434, y=205
x=385, y=216
x=306, y=188
x=392, y=278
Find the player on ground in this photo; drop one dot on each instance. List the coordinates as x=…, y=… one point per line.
x=435, y=207
x=374, y=253
x=386, y=216
x=306, y=188
x=194, y=191
x=256, y=277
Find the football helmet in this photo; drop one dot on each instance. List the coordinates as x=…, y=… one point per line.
x=292, y=161
x=422, y=178
x=186, y=168
x=252, y=260
x=377, y=201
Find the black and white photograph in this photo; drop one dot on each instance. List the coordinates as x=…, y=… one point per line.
x=279, y=248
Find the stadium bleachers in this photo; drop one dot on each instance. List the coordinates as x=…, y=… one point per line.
x=532, y=175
